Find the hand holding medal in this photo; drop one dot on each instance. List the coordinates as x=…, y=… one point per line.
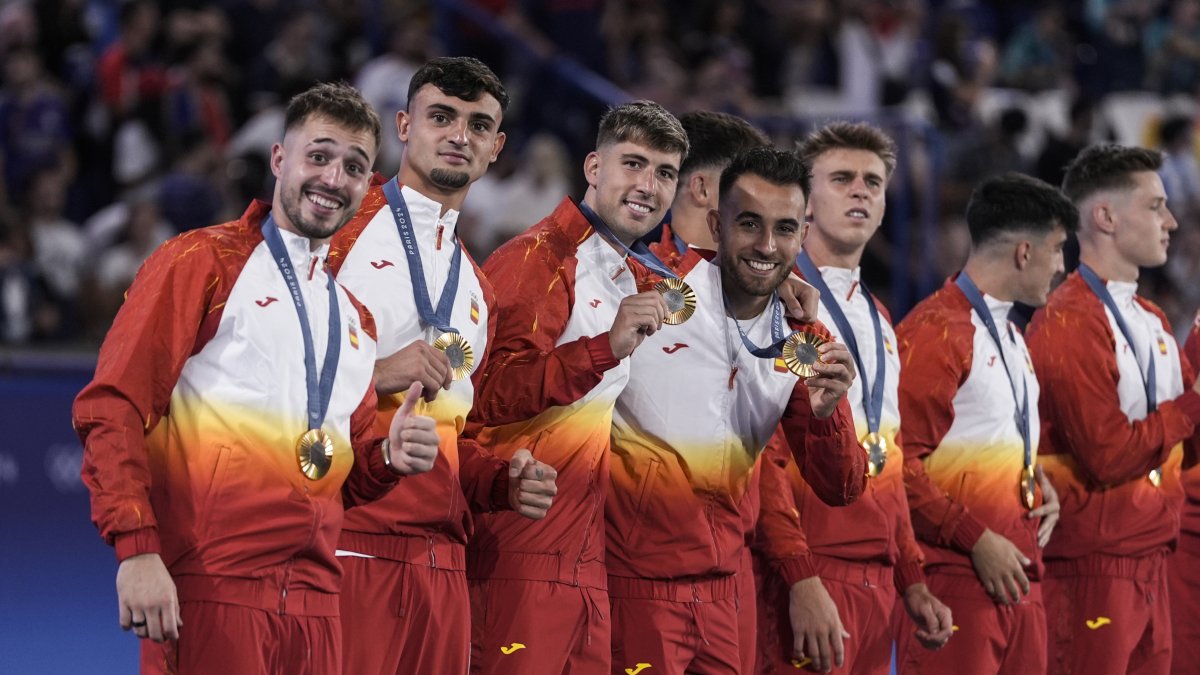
x=832, y=375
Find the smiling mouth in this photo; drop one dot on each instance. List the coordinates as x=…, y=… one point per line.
x=760, y=266
x=857, y=213
x=323, y=201
x=639, y=208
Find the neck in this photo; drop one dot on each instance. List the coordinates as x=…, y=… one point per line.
x=989, y=278
x=825, y=253
x=590, y=200
x=742, y=305
x=449, y=198
x=690, y=222
x=1106, y=264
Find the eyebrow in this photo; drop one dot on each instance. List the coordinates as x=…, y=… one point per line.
x=353, y=147
x=849, y=173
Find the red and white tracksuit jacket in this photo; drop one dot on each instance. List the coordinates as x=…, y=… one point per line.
x=795, y=523
x=1098, y=443
x=191, y=422
x=686, y=435
x=549, y=385
x=958, y=411
x=367, y=256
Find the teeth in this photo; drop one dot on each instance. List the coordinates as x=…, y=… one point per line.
x=761, y=266
x=324, y=202
x=858, y=213
x=638, y=207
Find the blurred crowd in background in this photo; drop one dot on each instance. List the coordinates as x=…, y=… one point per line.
x=123, y=123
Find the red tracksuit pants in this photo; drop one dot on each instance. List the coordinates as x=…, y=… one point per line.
x=1183, y=573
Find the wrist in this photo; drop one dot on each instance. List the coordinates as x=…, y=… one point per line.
x=385, y=449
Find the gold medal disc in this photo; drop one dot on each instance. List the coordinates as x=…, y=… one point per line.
x=459, y=352
x=1028, y=487
x=876, y=449
x=1155, y=476
x=680, y=299
x=314, y=451
x=800, y=352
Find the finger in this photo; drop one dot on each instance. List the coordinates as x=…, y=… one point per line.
x=516, y=465
x=533, y=471
x=1041, y=477
x=125, y=616
x=1044, y=535
x=1012, y=590
x=837, y=640
x=154, y=626
x=418, y=436
x=410, y=399
x=1023, y=581
x=1040, y=511
x=169, y=615
x=929, y=618
x=824, y=658
x=541, y=502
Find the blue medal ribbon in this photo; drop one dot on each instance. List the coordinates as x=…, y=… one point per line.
x=319, y=391
x=970, y=290
x=778, y=337
x=439, y=318
x=639, y=252
x=1150, y=377
x=872, y=395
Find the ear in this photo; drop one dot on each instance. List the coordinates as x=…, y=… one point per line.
x=403, y=120
x=1105, y=217
x=698, y=188
x=1022, y=253
x=276, y=159
x=591, y=168
x=714, y=225
x=498, y=146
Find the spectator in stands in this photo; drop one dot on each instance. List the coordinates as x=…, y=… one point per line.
x=35, y=130
x=58, y=249
x=1173, y=50
x=1058, y=151
x=1038, y=56
x=1180, y=172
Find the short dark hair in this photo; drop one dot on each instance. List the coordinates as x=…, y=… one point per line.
x=338, y=102
x=461, y=77
x=849, y=136
x=1107, y=167
x=643, y=122
x=781, y=167
x=714, y=138
x=1014, y=202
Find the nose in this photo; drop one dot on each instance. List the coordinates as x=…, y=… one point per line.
x=333, y=174
x=1170, y=224
x=765, y=243
x=858, y=188
x=645, y=182
x=458, y=132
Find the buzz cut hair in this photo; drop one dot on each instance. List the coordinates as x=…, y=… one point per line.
x=1016, y=203
x=715, y=138
x=775, y=165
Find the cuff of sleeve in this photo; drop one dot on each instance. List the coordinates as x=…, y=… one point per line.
x=500, y=489
x=796, y=568
x=968, y=532
x=137, y=542
x=601, y=352
x=907, y=574
x=1189, y=403
x=377, y=469
x=830, y=426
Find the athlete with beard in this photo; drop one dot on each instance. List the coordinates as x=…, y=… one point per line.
x=408, y=551
x=702, y=401
x=219, y=446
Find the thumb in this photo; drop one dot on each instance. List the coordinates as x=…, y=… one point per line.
x=517, y=464
x=410, y=399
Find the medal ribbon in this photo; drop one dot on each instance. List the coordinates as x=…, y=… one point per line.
x=319, y=392
x=639, y=252
x=1149, y=378
x=440, y=318
x=872, y=395
x=773, y=350
x=970, y=290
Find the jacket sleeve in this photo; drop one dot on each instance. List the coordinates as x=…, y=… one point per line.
x=927, y=390
x=370, y=479
x=910, y=560
x=1190, y=355
x=168, y=306
x=826, y=450
x=1073, y=355
x=483, y=476
x=782, y=537
x=526, y=372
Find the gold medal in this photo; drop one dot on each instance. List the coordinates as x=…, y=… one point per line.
x=800, y=352
x=1155, y=476
x=680, y=299
x=876, y=449
x=1028, y=487
x=314, y=451
x=459, y=352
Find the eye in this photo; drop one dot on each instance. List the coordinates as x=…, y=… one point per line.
x=318, y=157
x=874, y=183
x=748, y=224
x=440, y=118
x=666, y=175
x=479, y=127
x=355, y=168
x=633, y=164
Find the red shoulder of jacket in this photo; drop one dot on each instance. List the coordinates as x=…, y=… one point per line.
x=1071, y=310
x=816, y=327
x=347, y=236
x=547, y=244
x=939, y=327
